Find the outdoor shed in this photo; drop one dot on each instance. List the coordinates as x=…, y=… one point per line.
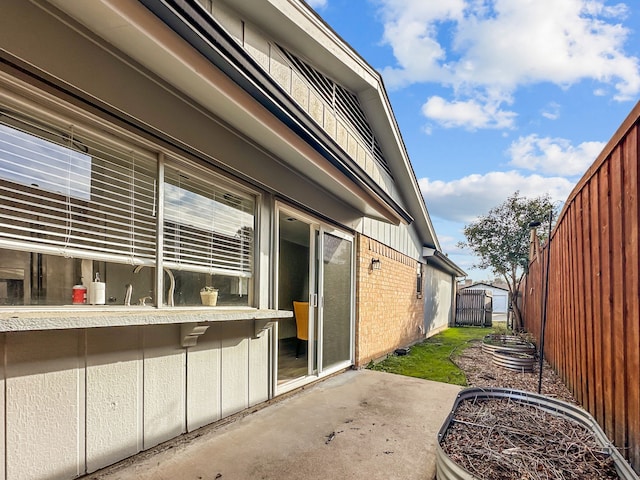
x=500, y=295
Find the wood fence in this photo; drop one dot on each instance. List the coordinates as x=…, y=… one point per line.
x=592, y=337
x=474, y=308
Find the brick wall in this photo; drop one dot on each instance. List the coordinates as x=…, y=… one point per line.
x=388, y=311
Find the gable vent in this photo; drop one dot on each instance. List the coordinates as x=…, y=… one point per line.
x=344, y=104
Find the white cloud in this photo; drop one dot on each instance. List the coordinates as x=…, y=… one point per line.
x=468, y=114
x=553, y=156
x=503, y=44
x=551, y=111
x=450, y=246
x=411, y=28
x=317, y=3
x=489, y=52
x=465, y=199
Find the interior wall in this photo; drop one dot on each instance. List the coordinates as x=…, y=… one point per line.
x=293, y=282
x=16, y=268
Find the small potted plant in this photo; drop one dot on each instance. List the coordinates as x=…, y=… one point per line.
x=209, y=296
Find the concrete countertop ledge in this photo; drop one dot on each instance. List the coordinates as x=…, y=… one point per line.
x=62, y=318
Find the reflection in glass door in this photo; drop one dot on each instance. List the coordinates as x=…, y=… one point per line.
x=335, y=308
x=296, y=244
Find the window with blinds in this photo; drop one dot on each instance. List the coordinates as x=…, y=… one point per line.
x=65, y=193
x=76, y=202
x=207, y=228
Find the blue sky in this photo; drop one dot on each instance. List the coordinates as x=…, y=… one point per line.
x=494, y=96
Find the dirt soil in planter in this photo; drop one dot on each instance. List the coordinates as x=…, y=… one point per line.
x=500, y=439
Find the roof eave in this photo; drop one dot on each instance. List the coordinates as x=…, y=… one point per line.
x=185, y=17
x=443, y=262
x=328, y=50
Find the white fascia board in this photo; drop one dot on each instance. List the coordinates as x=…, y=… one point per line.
x=444, y=263
x=312, y=38
x=379, y=111
x=481, y=284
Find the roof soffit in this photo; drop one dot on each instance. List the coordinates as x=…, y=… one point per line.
x=312, y=38
x=126, y=27
x=327, y=51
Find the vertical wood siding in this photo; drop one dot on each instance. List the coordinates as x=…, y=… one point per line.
x=473, y=307
x=78, y=400
x=592, y=336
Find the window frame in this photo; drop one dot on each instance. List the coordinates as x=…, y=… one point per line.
x=125, y=139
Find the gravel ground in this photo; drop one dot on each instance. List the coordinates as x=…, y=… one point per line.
x=480, y=372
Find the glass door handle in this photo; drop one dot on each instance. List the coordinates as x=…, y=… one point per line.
x=313, y=299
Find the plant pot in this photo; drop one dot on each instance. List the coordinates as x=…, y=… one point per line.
x=210, y=299
x=519, y=361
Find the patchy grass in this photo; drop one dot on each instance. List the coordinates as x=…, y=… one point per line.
x=432, y=359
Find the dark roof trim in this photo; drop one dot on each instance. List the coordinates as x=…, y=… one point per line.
x=476, y=285
x=442, y=262
x=203, y=33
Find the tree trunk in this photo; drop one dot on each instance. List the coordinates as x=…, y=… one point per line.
x=518, y=324
x=514, y=288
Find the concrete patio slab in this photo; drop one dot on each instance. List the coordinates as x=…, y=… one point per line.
x=357, y=425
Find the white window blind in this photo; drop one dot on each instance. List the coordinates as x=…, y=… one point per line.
x=208, y=227
x=66, y=192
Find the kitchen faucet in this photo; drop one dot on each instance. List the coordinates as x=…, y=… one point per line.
x=172, y=285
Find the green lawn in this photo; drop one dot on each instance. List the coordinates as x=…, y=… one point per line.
x=431, y=359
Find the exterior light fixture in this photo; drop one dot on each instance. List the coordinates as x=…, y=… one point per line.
x=375, y=264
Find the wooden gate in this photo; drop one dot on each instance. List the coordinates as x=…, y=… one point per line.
x=474, y=308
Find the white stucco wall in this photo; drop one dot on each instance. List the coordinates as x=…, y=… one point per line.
x=114, y=375
x=44, y=410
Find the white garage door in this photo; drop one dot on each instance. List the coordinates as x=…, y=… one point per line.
x=499, y=303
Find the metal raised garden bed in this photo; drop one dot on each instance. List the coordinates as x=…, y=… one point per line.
x=447, y=469
x=506, y=343
x=518, y=361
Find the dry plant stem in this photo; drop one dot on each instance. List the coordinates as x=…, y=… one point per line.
x=506, y=440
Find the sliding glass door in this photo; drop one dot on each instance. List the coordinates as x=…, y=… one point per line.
x=335, y=281
x=315, y=278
